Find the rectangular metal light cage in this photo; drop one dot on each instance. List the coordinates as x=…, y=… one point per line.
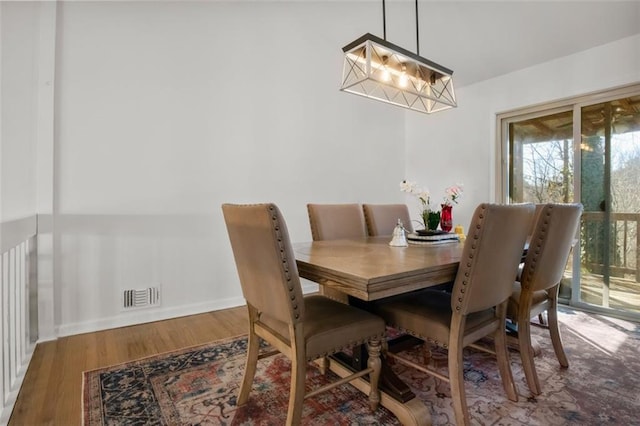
x=380, y=70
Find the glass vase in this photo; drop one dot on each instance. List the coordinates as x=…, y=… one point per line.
x=446, y=218
x=433, y=219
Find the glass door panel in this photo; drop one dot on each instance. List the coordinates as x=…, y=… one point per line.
x=610, y=178
x=541, y=159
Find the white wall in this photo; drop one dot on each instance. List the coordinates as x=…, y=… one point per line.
x=164, y=111
x=460, y=145
x=19, y=110
x=18, y=117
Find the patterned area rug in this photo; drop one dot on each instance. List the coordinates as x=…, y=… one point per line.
x=199, y=386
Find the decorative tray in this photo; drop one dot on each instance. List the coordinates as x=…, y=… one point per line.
x=441, y=236
x=428, y=232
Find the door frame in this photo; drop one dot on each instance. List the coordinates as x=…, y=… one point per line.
x=576, y=103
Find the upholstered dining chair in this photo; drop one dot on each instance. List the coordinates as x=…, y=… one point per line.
x=381, y=219
x=539, y=282
x=477, y=305
x=302, y=328
x=336, y=222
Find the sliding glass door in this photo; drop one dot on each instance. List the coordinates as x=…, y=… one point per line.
x=610, y=193
x=585, y=151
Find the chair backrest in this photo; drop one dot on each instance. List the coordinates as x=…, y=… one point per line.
x=381, y=219
x=536, y=215
x=491, y=255
x=550, y=245
x=265, y=260
x=336, y=221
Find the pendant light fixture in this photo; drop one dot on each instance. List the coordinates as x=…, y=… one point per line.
x=380, y=70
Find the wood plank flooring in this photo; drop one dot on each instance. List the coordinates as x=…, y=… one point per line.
x=52, y=388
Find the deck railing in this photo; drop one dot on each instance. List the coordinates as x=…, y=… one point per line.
x=622, y=258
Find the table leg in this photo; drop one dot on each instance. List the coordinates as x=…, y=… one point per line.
x=411, y=412
x=389, y=381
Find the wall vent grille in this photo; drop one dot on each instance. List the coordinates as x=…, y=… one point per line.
x=140, y=298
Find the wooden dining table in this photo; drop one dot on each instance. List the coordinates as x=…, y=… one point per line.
x=370, y=269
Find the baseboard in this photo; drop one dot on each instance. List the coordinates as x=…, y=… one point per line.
x=149, y=315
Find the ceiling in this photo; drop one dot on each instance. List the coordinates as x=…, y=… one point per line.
x=480, y=40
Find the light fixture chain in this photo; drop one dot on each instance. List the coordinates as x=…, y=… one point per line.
x=384, y=20
x=417, y=32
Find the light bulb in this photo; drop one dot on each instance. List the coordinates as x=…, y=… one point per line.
x=403, y=77
x=386, y=75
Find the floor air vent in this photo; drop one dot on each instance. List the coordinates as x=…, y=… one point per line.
x=140, y=298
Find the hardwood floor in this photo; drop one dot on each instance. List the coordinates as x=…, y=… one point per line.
x=51, y=391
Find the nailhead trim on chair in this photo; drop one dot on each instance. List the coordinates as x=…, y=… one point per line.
x=472, y=252
x=366, y=215
x=538, y=246
x=367, y=221
x=285, y=262
x=314, y=234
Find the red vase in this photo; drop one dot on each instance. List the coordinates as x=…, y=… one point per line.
x=446, y=219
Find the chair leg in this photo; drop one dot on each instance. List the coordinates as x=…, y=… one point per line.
x=456, y=380
x=250, y=366
x=502, y=354
x=426, y=353
x=526, y=355
x=556, y=339
x=297, y=391
x=373, y=348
